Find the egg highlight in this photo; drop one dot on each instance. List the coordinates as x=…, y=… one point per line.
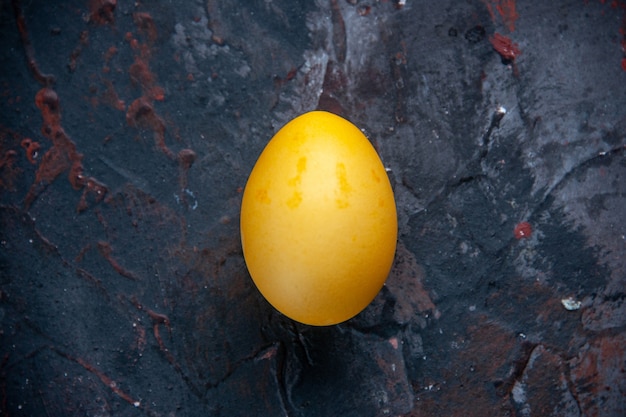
x=318, y=220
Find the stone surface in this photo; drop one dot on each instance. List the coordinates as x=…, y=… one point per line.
x=128, y=130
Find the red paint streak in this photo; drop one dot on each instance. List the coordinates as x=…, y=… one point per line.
x=106, y=380
x=278, y=81
x=47, y=101
x=269, y=353
x=42, y=78
x=186, y=158
x=492, y=13
x=92, y=187
x=505, y=47
x=107, y=252
x=506, y=9
x=291, y=74
x=8, y=172
x=141, y=75
x=32, y=150
x=141, y=337
x=523, y=230
x=157, y=93
x=141, y=113
x=597, y=368
x=146, y=26
x=111, y=98
x=62, y=156
x=102, y=11
x=159, y=319
x=82, y=42
x=112, y=51
x=624, y=63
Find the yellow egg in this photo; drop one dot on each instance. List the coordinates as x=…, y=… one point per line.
x=318, y=220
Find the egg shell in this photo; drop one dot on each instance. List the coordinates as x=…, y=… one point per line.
x=318, y=220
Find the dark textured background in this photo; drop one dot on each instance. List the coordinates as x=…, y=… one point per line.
x=128, y=129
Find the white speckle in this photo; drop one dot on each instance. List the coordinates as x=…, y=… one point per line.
x=190, y=194
x=519, y=394
x=136, y=403
x=472, y=308
x=195, y=200
x=571, y=304
x=243, y=71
